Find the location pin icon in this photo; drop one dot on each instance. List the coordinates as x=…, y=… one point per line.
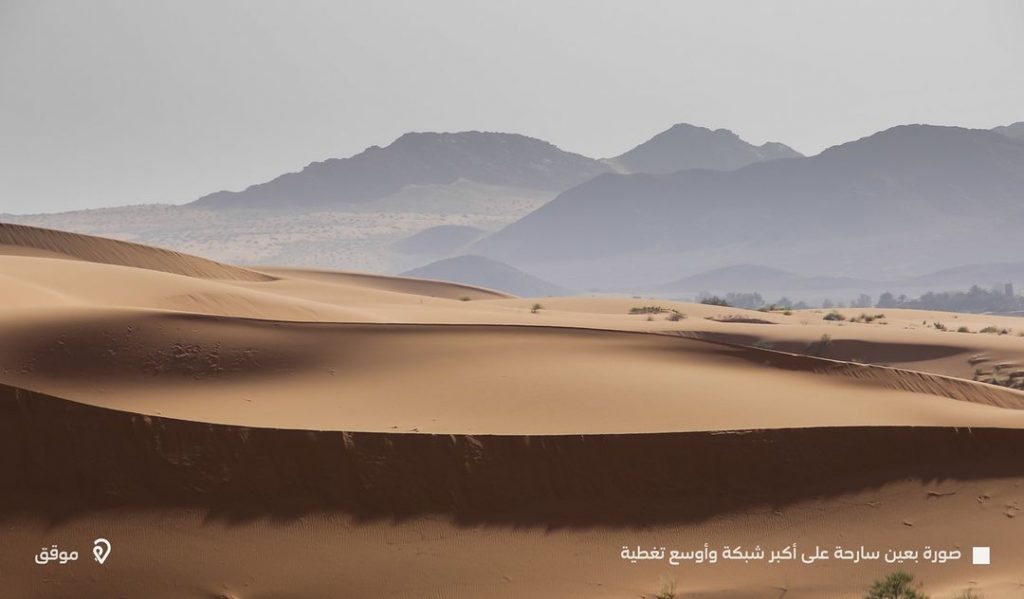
x=101, y=550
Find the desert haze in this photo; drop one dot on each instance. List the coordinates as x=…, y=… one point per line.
x=282, y=432
x=881, y=213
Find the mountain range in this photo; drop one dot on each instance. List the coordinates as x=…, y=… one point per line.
x=422, y=162
x=931, y=196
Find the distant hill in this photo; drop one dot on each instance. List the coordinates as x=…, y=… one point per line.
x=484, y=272
x=1016, y=130
x=441, y=240
x=962, y=277
x=689, y=147
x=752, y=277
x=417, y=159
x=912, y=197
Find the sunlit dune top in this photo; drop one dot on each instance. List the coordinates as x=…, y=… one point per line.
x=23, y=240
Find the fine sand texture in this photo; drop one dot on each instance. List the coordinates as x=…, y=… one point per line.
x=248, y=433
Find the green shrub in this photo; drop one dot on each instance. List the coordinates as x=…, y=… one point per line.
x=536, y=308
x=898, y=585
x=820, y=346
x=834, y=315
x=668, y=588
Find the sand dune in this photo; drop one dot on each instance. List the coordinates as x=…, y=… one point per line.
x=398, y=284
x=540, y=516
x=380, y=377
x=32, y=241
x=489, y=448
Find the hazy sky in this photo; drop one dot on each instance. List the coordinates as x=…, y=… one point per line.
x=107, y=103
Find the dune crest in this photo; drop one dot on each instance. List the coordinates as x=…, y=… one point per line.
x=23, y=240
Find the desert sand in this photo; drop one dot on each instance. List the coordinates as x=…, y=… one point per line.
x=271, y=432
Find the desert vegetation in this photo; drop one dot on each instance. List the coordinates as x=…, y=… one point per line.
x=820, y=346
x=647, y=310
x=975, y=300
x=898, y=585
x=714, y=300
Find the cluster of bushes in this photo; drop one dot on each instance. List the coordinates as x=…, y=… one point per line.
x=673, y=314
x=748, y=301
x=989, y=330
x=867, y=318
x=647, y=310
x=714, y=300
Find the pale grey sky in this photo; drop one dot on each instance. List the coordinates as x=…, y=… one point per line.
x=108, y=103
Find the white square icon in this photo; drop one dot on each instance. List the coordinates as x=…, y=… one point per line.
x=981, y=556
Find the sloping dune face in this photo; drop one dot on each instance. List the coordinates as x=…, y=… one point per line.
x=479, y=379
x=344, y=423
x=397, y=284
x=32, y=241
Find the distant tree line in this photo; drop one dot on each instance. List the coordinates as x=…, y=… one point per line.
x=750, y=301
x=975, y=299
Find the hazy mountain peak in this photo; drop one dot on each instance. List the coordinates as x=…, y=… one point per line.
x=419, y=158
x=690, y=128
x=923, y=145
x=439, y=240
x=1015, y=130
x=685, y=146
x=414, y=138
x=484, y=272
